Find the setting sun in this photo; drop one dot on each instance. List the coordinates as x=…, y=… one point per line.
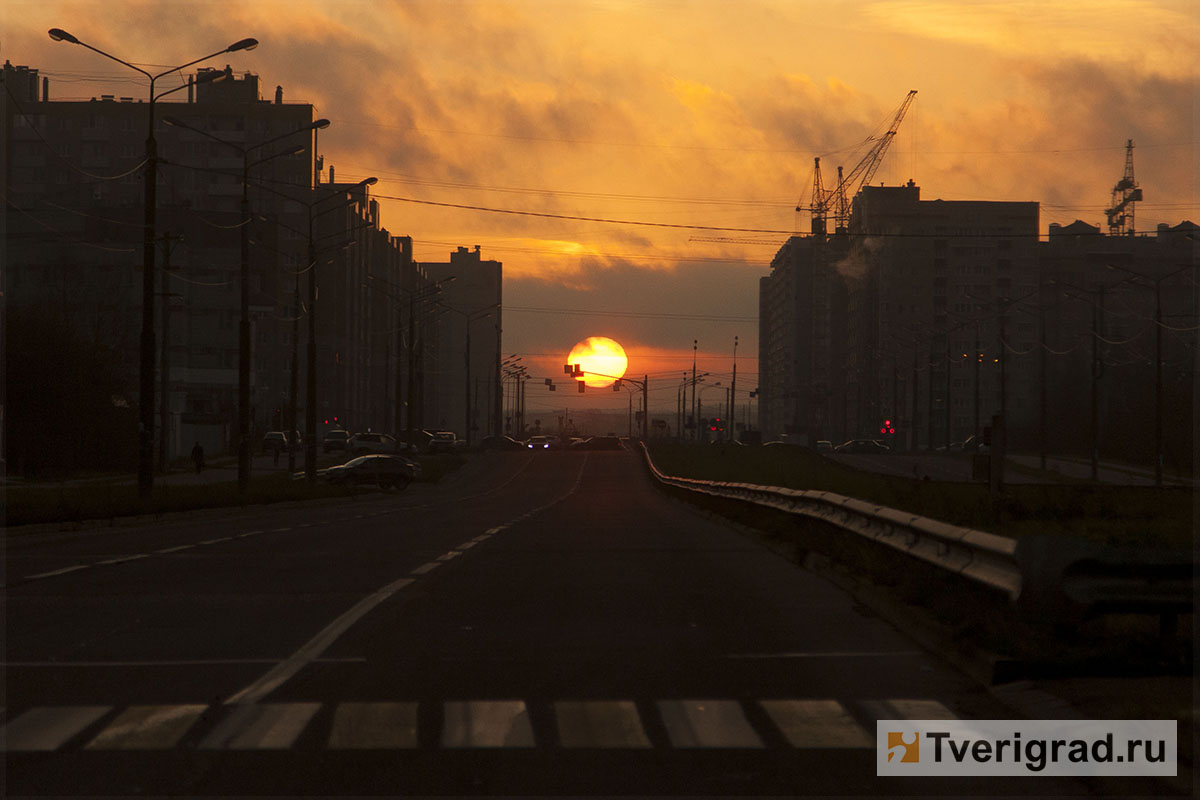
x=599, y=356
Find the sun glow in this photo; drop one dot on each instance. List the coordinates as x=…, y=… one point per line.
x=601, y=359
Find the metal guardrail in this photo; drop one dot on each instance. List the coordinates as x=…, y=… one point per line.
x=1053, y=578
x=983, y=557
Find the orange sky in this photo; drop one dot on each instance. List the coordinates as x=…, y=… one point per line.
x=692, y=113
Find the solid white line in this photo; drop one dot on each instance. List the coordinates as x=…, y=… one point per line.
x=425, y=568
x=834, y=654
x=448, y=556
x=271, y=726
x=281, y=673
x=214, y=541
x=467, y=545
x=496, y=529
x=176, y=549
x=62, y=571
x=275, y=530
x=194, y=662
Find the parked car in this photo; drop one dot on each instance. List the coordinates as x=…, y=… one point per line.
x=335, y=440
x=380, y=470
x=442, y=442
x=274, y=440
x=862, y=446
x=539, y=443
x=363, y=443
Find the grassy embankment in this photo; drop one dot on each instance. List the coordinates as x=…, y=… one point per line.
x=116, y=497
x=1119, y=515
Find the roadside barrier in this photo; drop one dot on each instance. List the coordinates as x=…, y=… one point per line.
x=1054, y=579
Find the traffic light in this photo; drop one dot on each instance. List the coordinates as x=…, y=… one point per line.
x=888, y=427
x=617, y=385
x=582, y=386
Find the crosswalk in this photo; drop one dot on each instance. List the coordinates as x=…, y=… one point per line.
x=611, y=724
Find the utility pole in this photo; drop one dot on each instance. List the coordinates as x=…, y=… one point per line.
x=732, y=392
x=695, y=419
x=164, y=420
x=1097, y=373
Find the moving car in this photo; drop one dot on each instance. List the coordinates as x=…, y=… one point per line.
x=363, y=443
x=539, y=443
x=442, y=442
x=275, y=440
x=379, y=470
x=336, y=440
x=862, y=446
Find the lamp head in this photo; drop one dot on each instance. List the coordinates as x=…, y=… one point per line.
x=320, y=124
x=369, y=181
x=244, y=44
x=59, y=35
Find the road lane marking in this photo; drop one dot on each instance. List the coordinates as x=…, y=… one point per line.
x=176, y=549
x=191, y=662
x=271, y=726
x=46, y=729
x=486, y=723
x=425, y=569
x=448, y=556
x=496, y=529
x=467, y=545
x=907, y=709
x=707, y=723
x=832, y=654
x=62, y=571
x=601, y=723
x=147, y=728
x=374, y=726
x=214, y=541
x=314, y=647
x=123, y=559
x=274, y=530
x=816, y=724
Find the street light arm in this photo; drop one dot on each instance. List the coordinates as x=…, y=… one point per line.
x=59, y=35
x=243, y=44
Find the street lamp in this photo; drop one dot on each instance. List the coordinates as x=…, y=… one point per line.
x=310, y=412
x=469, y=316
x=244, y=461
x=150, y=208
x=1158, y=327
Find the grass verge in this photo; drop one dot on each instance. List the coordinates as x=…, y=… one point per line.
x=29, y=505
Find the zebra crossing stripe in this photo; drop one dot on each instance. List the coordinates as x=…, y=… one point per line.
x=907, y=709
x=46, y=729
x=502, y=723
x=816, y=724
x=271, y=726
x=147, y=728
x=603, y=723
x=707, y=723
x=374, y=726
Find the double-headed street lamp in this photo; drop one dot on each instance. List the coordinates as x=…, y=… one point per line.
x=149, y=201
x=244, y=325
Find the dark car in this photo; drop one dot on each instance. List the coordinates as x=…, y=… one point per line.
x=501, y=443
x=863, y=447
x=336, y=440
x=374, y=470
x=601, y=443
x=363, y=443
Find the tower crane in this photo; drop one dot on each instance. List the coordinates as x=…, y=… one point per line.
x=848, y=185
x=1124, y=195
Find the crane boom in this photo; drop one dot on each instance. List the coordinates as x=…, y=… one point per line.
x=865, y=169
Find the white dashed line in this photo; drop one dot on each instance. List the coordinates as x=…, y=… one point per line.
x=448, y=556
x=214, y=541
x=467, y=545
x=123, y=559
x=62, y=571
x=426, y=568
x=176, y=549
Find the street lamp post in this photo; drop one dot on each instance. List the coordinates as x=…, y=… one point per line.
x=244, y=445
x=150, y=209
x=695, y=419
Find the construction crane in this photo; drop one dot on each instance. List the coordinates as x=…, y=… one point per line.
x=848, y=185
x=1124, y=195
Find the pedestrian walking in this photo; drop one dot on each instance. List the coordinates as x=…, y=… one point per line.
x=198, y=457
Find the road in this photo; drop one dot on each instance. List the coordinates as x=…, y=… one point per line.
x=539, y=624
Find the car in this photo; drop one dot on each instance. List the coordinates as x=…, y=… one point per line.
x=601, y=443
x=539, y=443
x=824, y=446
x=501, y=443
x=275, y=441
x=862, y=446
x=335, y=440
x=363, y=443
x=384, y=471
x=442, y=442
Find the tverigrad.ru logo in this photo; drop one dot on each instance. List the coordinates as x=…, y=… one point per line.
x=1025, y=747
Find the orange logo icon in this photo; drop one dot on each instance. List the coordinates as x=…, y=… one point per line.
x=909, y=750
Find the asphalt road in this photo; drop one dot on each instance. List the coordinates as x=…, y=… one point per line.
x=540, y=624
